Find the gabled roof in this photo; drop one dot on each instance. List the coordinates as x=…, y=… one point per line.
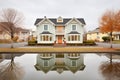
x=81, y=20
x=97, y=30
x=54, y=20
x=38, y=20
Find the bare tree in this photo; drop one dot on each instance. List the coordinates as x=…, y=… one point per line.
x=10, y=21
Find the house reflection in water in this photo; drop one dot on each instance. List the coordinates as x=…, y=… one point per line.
x=60, y=62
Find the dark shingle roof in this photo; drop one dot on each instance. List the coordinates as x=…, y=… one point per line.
x=38, y=20
x=46, y=32
x=65, y=20
x=97, y=30
x=55, y=21
x=74, y=32
x=81, y=20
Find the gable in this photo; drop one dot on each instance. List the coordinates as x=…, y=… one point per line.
x=75, y=21
x=43, y=21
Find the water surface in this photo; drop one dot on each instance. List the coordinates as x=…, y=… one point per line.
x=67, y=66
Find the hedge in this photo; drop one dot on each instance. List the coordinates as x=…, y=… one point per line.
x=32, y=42
x=89, y=42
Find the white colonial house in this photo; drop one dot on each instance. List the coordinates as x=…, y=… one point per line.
x=59, y=30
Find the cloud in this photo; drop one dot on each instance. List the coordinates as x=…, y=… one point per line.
x=90, y=10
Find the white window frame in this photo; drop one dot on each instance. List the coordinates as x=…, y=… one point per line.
x=47, y=27
x=75, y=26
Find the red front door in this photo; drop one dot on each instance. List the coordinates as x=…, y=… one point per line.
x=60, y=39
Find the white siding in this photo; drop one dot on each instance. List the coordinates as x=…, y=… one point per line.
x=68, y=29
x=40, y=29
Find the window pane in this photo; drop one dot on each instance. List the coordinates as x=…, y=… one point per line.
x=43, y=38
x=46, y=38
x=45, y=27
x=75, y=37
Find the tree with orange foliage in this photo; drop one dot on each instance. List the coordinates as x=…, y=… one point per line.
x=110, y=22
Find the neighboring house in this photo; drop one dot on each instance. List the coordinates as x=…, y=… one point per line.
x=59, y=30
x=116, y=35
x=24, y=34
x=60, y=62
x=96, y=35
x=4, y=35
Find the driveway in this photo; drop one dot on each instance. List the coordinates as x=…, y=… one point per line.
x=22, y=44
x=107, y=45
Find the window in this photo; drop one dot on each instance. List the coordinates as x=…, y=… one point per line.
x=46, y=37
x=74, y=38
x=45, y=27
x=73, y=27
x=73, y=63
x=46, y=63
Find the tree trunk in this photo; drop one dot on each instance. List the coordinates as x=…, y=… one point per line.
x=12, y=36
x=12, y=57
x=111, y=40
x=110, y=58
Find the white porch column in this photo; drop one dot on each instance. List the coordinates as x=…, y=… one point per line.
x=41, y=37
x=49, y=38
x=70, y=37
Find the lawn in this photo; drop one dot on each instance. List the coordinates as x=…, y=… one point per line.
x=60, y=49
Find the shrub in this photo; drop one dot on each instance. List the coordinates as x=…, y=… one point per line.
x=106, y=38
x=32, y=42
x=89, y=42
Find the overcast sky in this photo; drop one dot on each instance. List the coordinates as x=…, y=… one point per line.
x=90, y=10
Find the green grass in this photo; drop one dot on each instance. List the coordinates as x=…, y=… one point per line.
x=62, y=49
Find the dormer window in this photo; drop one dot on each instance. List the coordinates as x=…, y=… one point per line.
x=74, y=27
x=45, y=27
x=59, y=19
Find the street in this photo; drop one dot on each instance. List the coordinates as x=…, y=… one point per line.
x=22, y=44
x=107, y=45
